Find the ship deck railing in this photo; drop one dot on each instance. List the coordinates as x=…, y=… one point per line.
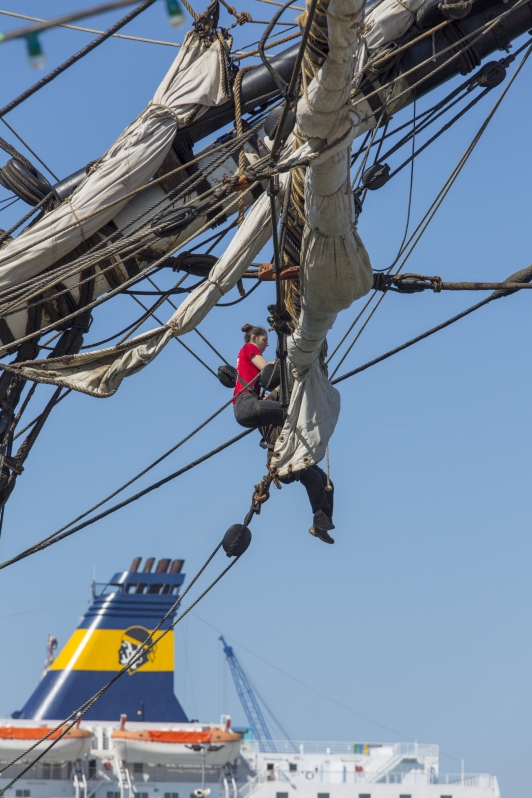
x=415, y=750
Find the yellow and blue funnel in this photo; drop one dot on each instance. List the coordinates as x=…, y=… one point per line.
x=119, y=620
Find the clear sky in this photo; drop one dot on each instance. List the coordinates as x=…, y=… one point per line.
x=416, y=623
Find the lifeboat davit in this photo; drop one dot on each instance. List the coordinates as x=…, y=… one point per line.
x=180, y=747
x=15, y=741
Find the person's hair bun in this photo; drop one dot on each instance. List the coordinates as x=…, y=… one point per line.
x=246, y=328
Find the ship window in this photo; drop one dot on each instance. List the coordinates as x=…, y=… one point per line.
x=171, y=795
x=105, y=740
x=292, y=767
x=142, y=795
x=113, y=795
x=23, y=794
x=364, y=795
x=281, y=795
x=405, y=796
x=138, y=767
x=323, y=795
x=446, y=796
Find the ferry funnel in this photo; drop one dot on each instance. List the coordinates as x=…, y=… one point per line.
x=121, y=616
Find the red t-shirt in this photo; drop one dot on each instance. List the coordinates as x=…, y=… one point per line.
x=246, y=369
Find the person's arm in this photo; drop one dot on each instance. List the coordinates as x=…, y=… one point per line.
x=259, y=361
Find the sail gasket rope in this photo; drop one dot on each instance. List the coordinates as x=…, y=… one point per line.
x=72, y=268
x=227, y=146
x=115, y=291
x=144, y=647
x=433, y=208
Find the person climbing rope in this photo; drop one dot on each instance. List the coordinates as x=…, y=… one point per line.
x=250, y=410
x=266, y=413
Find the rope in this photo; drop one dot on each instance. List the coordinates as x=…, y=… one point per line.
x=241, y=54
x=482, y=31
x=239, y=127
x=435, y=205
x=56, y=537
x=148, y=644
x=76, y=57
x=177, y=339
x=29, y=149
x=415, y=340
x=70, y=270
x=92, y=30
x=51, y=538
x=245, y=296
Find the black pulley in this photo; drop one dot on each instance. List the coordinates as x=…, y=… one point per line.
x=272, y=121
x=173, y=222
x=30, y=186
x=376, y=176
x=236, y=540
x=492, y=74
x=197, y=264
x=270, y=376
x=227, y=376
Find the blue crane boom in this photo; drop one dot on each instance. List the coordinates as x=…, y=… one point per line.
x=255, y=718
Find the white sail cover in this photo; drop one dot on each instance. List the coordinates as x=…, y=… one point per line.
x=335, y=268
x=388, y=21
x=194, y=83
x=100, y=373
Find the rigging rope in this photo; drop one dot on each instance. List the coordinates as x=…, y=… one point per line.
x=76, y=57
x=144, y=647
x=92, y=30
x=429, y=215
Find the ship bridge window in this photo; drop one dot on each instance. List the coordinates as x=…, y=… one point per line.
x=281, y=795
x=446, y=796
x=22, y=794
x=323, y=795
x=292, y=767
x=405, y=796
x=364, y=795
x=171, y=795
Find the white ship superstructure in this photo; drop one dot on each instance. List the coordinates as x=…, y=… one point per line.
x=136, y=740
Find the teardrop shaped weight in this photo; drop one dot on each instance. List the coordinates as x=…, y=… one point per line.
x=236, y=540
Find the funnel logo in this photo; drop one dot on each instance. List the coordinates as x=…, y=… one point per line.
x=132, y=641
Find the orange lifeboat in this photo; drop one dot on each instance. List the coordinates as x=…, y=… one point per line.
x=15, y=741
x=179, y=746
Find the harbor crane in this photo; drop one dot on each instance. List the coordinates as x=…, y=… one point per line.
x=255, y=718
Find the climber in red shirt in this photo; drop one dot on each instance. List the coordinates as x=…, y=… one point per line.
x=251, y=411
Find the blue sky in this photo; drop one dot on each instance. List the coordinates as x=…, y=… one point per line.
x=415, y=625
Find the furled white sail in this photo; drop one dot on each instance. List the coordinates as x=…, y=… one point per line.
x=193, y=84
x=100, y=373
x=335, y=267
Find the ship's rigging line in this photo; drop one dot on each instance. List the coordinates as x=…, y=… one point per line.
x=414, y=84
x=125, y=284
x=29, y=148
x=76, y=57
x=430, y=213
x=142, y=649
x=58, y=534
x=40, y=282
x=481, y=31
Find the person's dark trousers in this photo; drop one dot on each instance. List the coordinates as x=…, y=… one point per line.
x=251, y=412
x=314, y=480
